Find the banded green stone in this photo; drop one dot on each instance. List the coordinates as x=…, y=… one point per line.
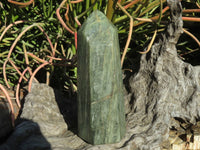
x=101, y=117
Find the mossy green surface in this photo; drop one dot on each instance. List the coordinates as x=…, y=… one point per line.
x=101, y=117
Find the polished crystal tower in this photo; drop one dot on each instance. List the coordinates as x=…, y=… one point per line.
x=101, y=116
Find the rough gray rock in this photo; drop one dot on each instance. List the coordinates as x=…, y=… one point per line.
x=163, y=88
x=40, y=106
x=42, y=126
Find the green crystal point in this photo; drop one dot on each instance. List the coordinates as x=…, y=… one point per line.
x=101, y=116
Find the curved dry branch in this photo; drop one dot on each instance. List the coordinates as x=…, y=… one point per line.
x=34, y=73
x=60, y=19
x=129, y=35
x=10, y=51
x=192, y=36
x=150, y=44
x=15, y=67
x=21, y=3
x=48, y=39
x=9, y=26
x=10, y=103
x=77, y=1
x=17, y=89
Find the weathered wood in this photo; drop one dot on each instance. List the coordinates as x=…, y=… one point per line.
x=101, y=117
